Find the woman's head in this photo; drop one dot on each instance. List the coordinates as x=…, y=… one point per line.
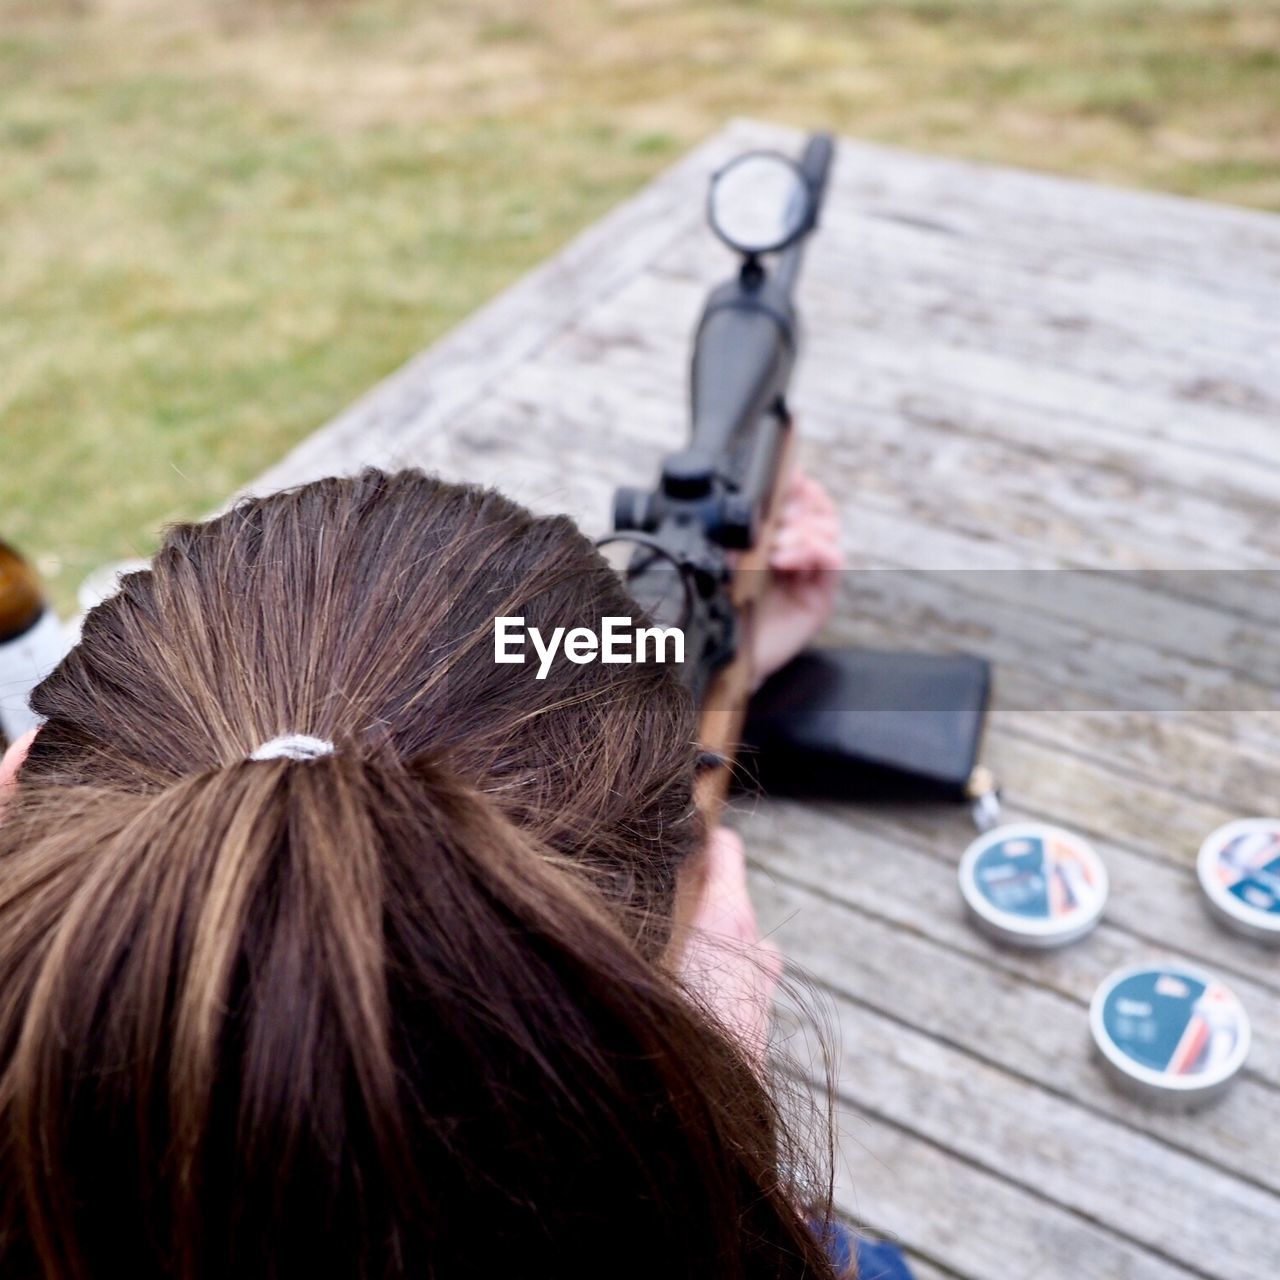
x=396, y=1011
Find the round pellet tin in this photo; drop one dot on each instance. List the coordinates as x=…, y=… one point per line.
x=1033, y=885
x=1169, y=1034
x=1239, y=869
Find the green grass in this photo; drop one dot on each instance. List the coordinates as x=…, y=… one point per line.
x=223, y=219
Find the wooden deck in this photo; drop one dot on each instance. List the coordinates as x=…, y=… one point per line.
x=1004, y=371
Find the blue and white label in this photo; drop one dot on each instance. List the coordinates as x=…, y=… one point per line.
x=1170, y=1026
x=1032, y=880
x=1239, y=869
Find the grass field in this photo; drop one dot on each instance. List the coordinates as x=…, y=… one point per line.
x=223, y=219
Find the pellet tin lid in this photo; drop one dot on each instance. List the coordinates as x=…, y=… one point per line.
x=1033, y=885
x=1169, y=1034
x=1239, y=869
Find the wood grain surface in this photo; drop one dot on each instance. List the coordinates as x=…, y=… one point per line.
x=1050, y=413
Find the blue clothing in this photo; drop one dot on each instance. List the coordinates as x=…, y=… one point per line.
x=876, y=1259
x=880, y=1261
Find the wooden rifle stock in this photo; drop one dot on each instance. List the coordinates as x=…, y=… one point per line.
x=724, y=709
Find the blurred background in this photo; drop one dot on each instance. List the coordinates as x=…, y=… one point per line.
x=222, y=220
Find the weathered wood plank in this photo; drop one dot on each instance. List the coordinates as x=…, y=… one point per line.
x=982, y=474
x=880, y=537
x=1092, y=798
x=1220, y=250
x=941, y=610
x=1166, y=750
x=970, y=1221
x=883, y=870
x=1152, y=904
x=1071, y=640
x=1014, y=1022
x=893, y=307
x=1259, y=730
x=863, y=364
x=1011, y=623
x=1138, y=1187
x=966, y=298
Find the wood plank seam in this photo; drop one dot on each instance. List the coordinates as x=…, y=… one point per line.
x=833, y=989
x=992, y=961
x=1248, y=678
x=1118, y=769
x=1156, y=1246
x=993, y=1171
x=1239, y=970
x=922, y=845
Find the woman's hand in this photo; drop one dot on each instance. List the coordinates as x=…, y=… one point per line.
x=804, y=560
x=725, y=960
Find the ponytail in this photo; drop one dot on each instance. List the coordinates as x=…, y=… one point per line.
x=381, y=1013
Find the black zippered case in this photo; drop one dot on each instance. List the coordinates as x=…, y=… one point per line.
x=868, y=724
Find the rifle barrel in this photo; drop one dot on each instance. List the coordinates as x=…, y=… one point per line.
x=815, y=164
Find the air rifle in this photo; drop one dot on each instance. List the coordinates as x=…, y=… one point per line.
x=702, y=534
x=700, y=540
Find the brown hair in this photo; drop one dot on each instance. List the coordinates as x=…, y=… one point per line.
x=396, y=1012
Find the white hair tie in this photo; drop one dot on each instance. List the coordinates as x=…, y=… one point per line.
x=294, y=746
